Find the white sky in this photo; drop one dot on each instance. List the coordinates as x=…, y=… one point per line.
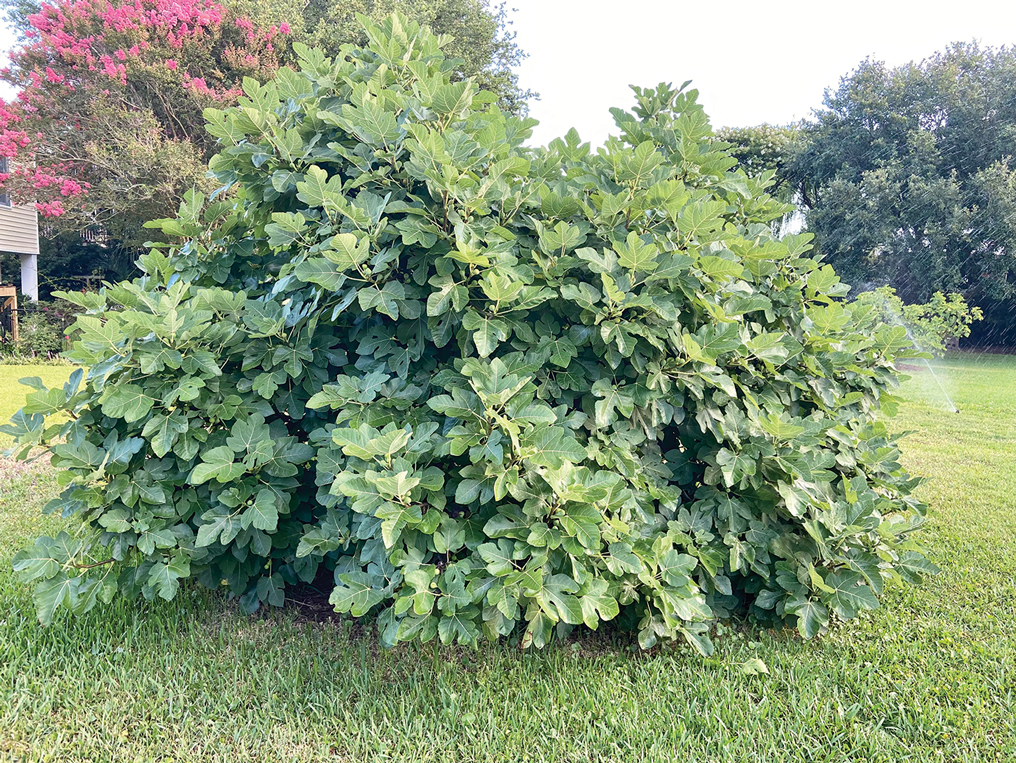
x=6, y=43
x=752, y=62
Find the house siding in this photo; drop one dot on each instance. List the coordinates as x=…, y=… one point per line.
x=19, y=230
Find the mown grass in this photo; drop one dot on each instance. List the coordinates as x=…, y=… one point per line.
x=931, y=676
x=12, y=393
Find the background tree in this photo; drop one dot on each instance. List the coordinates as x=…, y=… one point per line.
x=767, y=150
x=908, y=181
x=933, y=326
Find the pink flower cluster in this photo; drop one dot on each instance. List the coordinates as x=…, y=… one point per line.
x=12, y=140
x=197, y=84
x=55, y=28
x=71, y=188
x=49, y=208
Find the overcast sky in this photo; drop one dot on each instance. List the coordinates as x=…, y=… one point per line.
x=6, y=42
x=752, y=62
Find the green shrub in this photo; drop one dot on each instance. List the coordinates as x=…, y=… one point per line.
x=932, y=325
x=40, y=336
x=483, y=388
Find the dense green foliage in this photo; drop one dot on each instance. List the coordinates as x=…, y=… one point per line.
x=908, y=179
x=932, y=325
x=484, y=389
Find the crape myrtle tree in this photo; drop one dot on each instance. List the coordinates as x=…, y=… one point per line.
x=484, y=390
x=106, y=128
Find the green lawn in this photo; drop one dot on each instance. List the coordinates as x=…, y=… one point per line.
x=930, y=677
x=12, y=394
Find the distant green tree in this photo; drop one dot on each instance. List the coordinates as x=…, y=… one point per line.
x=908, y=179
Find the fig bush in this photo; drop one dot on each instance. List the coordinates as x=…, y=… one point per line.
x=932, y=326
x=487, y=390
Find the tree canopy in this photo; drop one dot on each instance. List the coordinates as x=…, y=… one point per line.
x=909, y=179
x=764, y=148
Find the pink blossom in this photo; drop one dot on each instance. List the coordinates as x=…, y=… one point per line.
x=197, y=84
x=171, y=64
x=284, y=27
x=71, y=188
x=49, y=208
